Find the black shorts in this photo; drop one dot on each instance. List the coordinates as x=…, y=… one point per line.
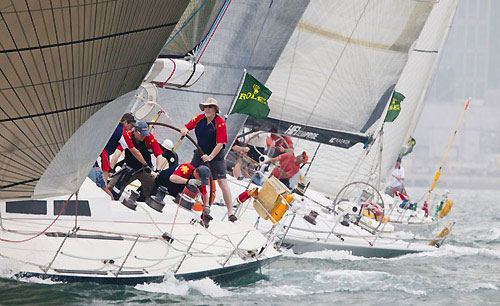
x=216, y=165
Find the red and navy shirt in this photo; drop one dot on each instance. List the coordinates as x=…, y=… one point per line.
x=186, y=171
x=147, y=147
x=119, y=137
x=208, y=134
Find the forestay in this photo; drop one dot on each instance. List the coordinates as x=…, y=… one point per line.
x=60, y=63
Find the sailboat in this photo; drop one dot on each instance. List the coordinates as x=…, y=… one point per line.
x=397, y=135
x=352, y=163
x=64, y=92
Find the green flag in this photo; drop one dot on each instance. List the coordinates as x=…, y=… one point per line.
x=394, y=107
x=252, y=99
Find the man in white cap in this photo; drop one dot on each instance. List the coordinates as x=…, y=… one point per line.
x=211, y=134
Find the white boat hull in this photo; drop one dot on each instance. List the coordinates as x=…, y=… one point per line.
x=328, y=234
x=119, y=245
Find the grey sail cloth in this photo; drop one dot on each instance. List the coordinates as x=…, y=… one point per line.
x=251, y=35
x=373, y=166
x=341, y=59
x=193, y=27
x=334, y=74
x=60, y=63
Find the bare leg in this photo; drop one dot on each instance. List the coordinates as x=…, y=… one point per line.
x=226, y=194
x=237, y=169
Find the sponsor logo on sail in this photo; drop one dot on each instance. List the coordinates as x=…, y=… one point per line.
x=339, y=140
x=296, y=131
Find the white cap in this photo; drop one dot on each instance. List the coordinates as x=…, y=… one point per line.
x=167, y=144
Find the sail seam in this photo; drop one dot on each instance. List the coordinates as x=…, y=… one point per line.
x=19, y=183
x=89, y=39
x=426, y=51
x=55, y=112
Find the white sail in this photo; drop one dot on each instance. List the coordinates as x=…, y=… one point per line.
x=340, y=60
x=415, y=81
x=337, y=73
x=60, y=63
x=193, y=27
x=355, y=164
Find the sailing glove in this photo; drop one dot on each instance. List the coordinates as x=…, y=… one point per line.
x=194, y=182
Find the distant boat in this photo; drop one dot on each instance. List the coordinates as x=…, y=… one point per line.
x=349, y=82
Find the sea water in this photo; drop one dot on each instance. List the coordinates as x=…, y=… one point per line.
x=465, y=271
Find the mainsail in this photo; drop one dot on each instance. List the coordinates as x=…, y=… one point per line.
x=60, y=63
x=337, y=73
x=340, y=60
x=357, y=164
x=241, y=41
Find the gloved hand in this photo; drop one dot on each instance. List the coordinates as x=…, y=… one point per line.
x=147, y=169
x=194, y=182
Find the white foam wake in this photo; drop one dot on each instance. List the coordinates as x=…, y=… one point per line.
x=352, y=276
x=325, y=254
x=454, y=251
x=173, y=286
x=9, y=269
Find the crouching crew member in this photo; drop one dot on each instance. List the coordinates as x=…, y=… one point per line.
x=175, y=178
x=146, y=144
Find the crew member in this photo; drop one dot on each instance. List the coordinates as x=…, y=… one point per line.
x=146, y=144
x=120, y=137
x=211, y=134
x=396, y=182
x=288, y=165
x=175, y=178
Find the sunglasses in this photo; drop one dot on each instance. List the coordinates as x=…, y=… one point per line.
x=209, y=106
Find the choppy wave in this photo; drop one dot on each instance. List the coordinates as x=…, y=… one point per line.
x=368, y=281
x=173, y=286
x=283, y=290
x=479, y=286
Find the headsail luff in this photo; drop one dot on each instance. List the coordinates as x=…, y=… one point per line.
x=60, y=63
x=241, y=41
